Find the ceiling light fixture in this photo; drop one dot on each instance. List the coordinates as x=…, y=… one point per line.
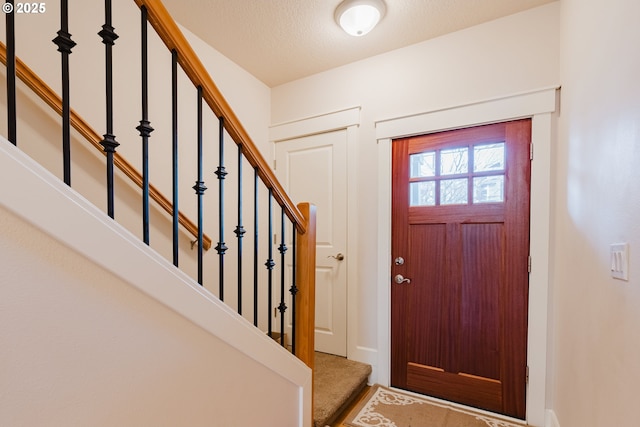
x=358, y=17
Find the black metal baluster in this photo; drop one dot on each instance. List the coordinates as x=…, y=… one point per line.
x=199, y=186
x=174, y=151
x=145, y=128
x=239, y=231
x=270, y=264
x=65, y=44
x=221, y=173
x=293, y=290
x=109, y=142
x=255, y=246
x=282, y=307
x=11, y=77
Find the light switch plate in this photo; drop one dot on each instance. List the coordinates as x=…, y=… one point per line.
x=620, y=261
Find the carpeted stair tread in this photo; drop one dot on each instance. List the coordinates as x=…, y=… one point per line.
x=337, y=382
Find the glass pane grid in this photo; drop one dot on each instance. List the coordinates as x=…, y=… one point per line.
x=453, y=176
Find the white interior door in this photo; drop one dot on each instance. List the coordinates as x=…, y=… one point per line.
x=314, y=169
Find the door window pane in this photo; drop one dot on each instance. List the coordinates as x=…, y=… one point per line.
x=454, y=161
x=423, y=164
x=436, y=170
x=488, y=189
x=489, y=157
x=422, y=193
x=454, y=191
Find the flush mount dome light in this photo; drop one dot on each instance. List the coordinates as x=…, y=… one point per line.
x=358, y=17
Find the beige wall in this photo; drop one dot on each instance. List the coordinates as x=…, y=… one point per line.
x=597, y=203
x=80, y=348
x=515, y=54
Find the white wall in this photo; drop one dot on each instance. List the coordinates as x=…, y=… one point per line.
x=511, y=55
x=597, y=203
x=98, y=330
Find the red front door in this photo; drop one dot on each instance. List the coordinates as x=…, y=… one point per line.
x=460, y=246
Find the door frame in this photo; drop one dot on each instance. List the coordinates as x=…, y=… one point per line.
x=540, y=106
x=349, y=120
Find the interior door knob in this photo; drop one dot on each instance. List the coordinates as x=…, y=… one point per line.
x=339, y=257
x=400, y=279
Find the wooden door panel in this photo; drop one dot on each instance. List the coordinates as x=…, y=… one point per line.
x=459, y=328
x=462, y=388
x=482, y=248
x=428, y=295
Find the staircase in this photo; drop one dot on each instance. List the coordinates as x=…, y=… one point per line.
x=337, y=383
x=166, y=237
x=102, y=331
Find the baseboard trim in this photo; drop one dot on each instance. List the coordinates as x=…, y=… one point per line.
x=369, y=356
x=551, y=419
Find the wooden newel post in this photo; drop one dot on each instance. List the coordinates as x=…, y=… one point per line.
x=306, y=284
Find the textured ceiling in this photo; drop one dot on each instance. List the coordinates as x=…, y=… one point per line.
x=283, y=40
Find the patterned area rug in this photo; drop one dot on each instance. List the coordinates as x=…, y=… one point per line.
x=383, y=407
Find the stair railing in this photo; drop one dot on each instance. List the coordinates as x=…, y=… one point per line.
x=302, y=218
x=48, y=95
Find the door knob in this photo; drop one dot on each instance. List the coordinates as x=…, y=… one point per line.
x=400, y=279
x=339, y=257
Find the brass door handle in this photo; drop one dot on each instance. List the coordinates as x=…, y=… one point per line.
x=338, y=257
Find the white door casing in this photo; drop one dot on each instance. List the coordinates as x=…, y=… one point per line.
x=540, y=106
x=313, y=168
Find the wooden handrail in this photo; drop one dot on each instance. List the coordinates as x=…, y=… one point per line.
x=173, y=38
x=48, y=95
